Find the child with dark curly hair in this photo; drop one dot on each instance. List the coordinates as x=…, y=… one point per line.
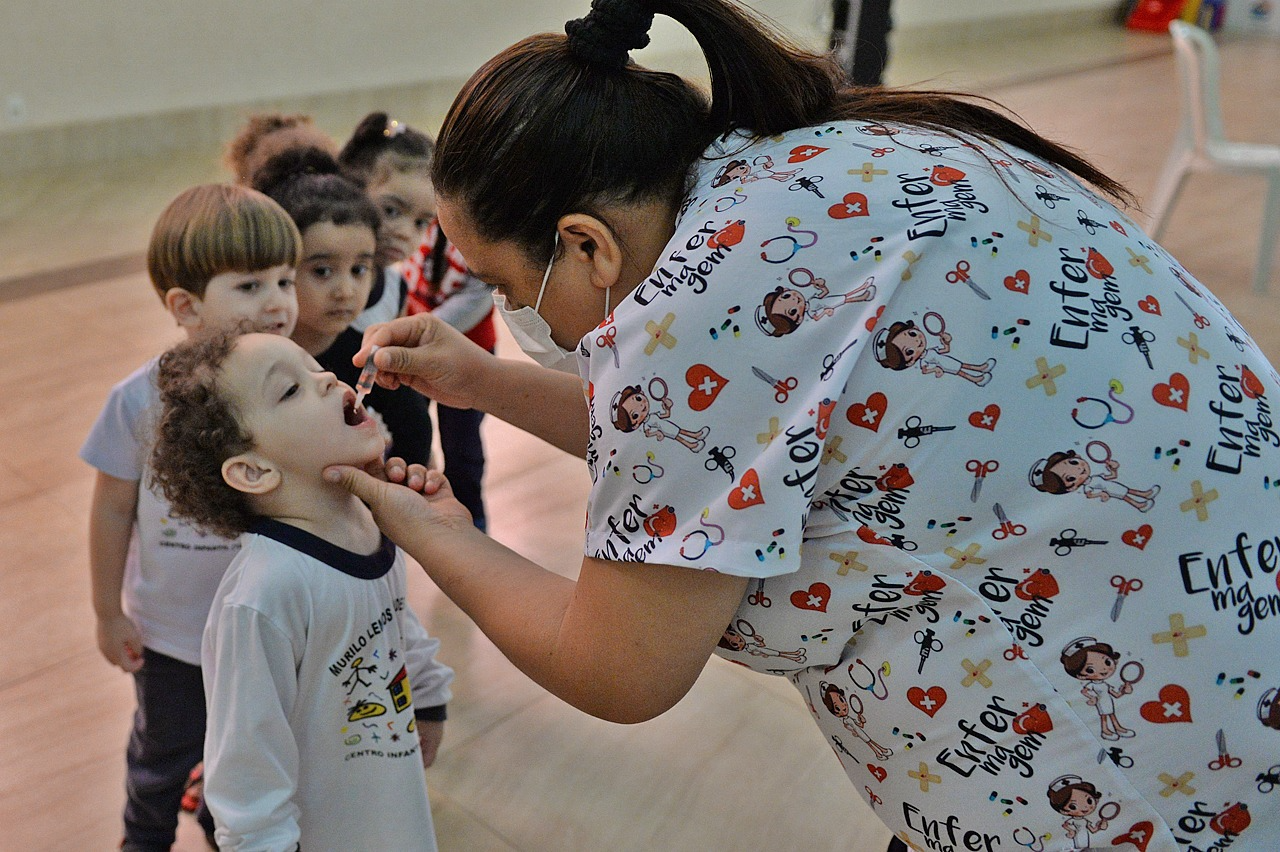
x=219, y=256
x=310, y=644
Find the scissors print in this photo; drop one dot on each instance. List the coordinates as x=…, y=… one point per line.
x=609, y=338
x=980, y=469
x=1014, y=652
x=911, y=435
x=758, y=597
x=1117, y=755
x=960, y=275
x=875, y=152
x=1200, y=321
x=1068, y=540
x=807, y=183
x=1050, y=200
x=1224, y=760
x=1007, y=527
x=720, y=459
x=1123, y=586
x=652, y=470
x=1270, y=779
x=829, y=361
x=928, y=643
x=1138, y=337
x=782, y=388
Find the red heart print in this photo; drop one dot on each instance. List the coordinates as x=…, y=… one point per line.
x=987, y=418
x=1116, y=226
x=804, y=152
x=1173, y=704
x=1018, y=282
x=878, y=771
x=925, y=581
x=1033, y=721
x=1097, y=265
x=871, y=321
x=1139, y=834
x=813, y=598
x=1150, y=305
x=1174, y=394
x=747, y=492
x=944, y=176
x=1138, y=538
x=1040, y=584
x=868, y=414
x=927, y=701
x=728, y=236
x=854, y=204
x=706, y=384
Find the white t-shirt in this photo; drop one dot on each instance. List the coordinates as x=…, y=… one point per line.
x=842, y=475
x=309, y=654
x=172, y=569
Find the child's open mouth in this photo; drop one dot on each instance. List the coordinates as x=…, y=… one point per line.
x=352, y=414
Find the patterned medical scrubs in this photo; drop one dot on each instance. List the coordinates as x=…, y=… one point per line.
x=1003, y=472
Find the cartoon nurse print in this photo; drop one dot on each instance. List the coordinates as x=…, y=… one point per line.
x=904, y=345
x=1092, y=663
x=784, y=308
x=631, y=411
x=1064, y=472
x=834, y=699
x=1076, y=799
x=742, y=171
x=743, y=637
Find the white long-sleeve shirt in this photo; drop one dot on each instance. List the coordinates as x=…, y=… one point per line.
x=308, y=658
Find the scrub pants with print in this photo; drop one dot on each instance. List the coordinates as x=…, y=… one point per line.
x=166, y=743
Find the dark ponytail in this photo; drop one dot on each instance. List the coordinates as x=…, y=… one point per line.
x=379, y=142
x=307, y=183
x=562, y=124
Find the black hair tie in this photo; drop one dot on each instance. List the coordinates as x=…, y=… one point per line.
x=610, y=31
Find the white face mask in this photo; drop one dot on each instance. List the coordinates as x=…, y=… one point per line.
x=533, y=333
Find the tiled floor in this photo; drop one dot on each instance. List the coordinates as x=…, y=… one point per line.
x=736, y=765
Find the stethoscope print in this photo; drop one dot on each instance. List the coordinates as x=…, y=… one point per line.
x=796, y=245
x=1114, y=387
x=707, y=542
x=875, y=679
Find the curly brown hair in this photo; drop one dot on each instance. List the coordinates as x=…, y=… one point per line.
x=197, y=432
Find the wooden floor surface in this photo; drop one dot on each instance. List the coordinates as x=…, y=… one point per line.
x=737, y=765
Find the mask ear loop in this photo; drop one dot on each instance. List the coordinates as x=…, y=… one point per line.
x=546, y=276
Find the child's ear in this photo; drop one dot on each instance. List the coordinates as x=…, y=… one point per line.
x=250, y=473
x=184, y=305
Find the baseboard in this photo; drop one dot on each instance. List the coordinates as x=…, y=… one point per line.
x=422, y=104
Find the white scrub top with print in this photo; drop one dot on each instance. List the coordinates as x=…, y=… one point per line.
x=983, y=444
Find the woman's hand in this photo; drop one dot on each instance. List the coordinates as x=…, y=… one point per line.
x=429, y=356
x=405, y=504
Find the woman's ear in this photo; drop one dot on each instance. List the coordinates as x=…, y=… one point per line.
x=184, y=305
x=250, y=473
x=592, y=247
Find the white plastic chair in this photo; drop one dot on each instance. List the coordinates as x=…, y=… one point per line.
x=1201, y=146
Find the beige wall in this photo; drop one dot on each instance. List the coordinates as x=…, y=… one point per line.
x=72, y=61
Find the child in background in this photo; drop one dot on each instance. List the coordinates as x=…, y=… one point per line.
x=310, y=650
x=393, y=162
x=340, y=290
x=218, y=256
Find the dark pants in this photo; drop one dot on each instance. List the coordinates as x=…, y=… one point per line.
x=166, y=743
x=896, y=845
x=463, y=456
x=870, y=49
